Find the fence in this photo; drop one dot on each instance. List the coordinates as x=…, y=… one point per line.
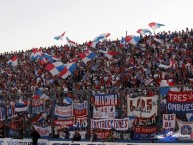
x=54, y=113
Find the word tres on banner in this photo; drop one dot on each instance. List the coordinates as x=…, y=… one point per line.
x=105, y=99
x=142, y=106
x=180, y=102
x=63, y=111
x=169, y=121
x=117, y=124
x=104, y=112
x=80, y=109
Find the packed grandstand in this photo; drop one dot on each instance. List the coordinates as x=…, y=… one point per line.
x=136, y=87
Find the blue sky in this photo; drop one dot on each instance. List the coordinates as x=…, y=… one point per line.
x=27, y=24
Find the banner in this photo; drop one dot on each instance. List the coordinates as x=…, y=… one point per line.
x=169, y=121
x=2, y=113
x=117, y=124
x=180, y=102
x=142, y=106
x=21, y=109
x=143, y=136
x=145, y=129
x=10, y=141
x=140, y=121
x=82, y=133
x=80, y=122
x=80, y=109
x=180, y=97
x=121, y=135
x=38, y=109
x=43, y=131
x=104, y=112
x=63, y=123
x=63, y=111
x=102, y=134
x=185, y=129
x=105, y=99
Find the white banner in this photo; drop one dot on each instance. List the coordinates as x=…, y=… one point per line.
x=43, y=131
x=185, y=129
x=63, y=111
x=82, y=133
x=169, y=121
x=118, y=124
x=142, y=106
x=104, y=112
x=10, y=141
x=22, y=109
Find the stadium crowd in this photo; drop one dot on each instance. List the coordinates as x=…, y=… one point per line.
x=146, y=64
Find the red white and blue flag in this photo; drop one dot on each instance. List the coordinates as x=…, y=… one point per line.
x=132, y=39
x=155, y=25
x=68, y=70
x=72, y=43
x=144, y=31
x=55, y=68
x=13, y=61
x=108, y=54
x=87, y=56
x=60, y=37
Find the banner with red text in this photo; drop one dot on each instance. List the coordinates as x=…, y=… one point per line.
x=67, y=122
x=63, y=111
x=43, y=131
x=117, y=124
x=169, y=121
x=145, y=129
x=104, y=112
x=142, y=106
x=140, y=121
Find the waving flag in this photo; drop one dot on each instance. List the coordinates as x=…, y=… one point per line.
x=97, y=39
x=166, y=86
x=60, y=37
x=13, y=61
x=155, y=26
x=109, y=54
x=55, y=68
x=50, y=57
x=68, y=70
x=132, y=39
x=89, y=55
x=72, y=43
x=144, y=31
x=35, y=53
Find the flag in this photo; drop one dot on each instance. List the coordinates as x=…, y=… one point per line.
x=144, y=31
x=132, y=39
x=72, y=43
x=87, y=56
x=55, y=68
x=67, y=100
x=68, y=70
x=122, y=42
x=166, y=86
x=60, y=37
x=109, y=54
x=155, y=26
x=92, y=44
x=13, y=61
x=35, y=53
x=50, y=57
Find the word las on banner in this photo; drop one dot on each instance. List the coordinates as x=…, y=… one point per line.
x=169, y=121
x=104, y=112
x=80, y=122
x=141, y=121
x=145, y=129
x=43, y=131
x=117, y=124
x=142, y=106
x=105, y=99
x=180, y=102
x=80, y=109
x=63, y=111
x=185, y=129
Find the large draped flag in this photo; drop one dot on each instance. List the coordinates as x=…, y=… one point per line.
x=60, y=37
x=13, y=61
x=132, y=39
x=55, y=68
x=72, y=43
x=155, y=25
x=68, y=70
x=87, y=56
x=144, y=31
x=108, y=54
